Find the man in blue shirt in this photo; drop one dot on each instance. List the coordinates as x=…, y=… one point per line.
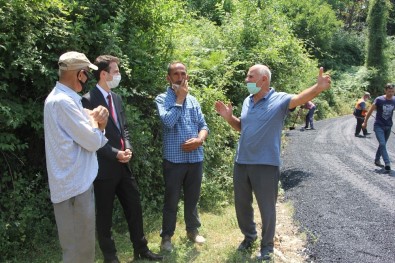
x=184, y=131
x=385, y=106
x=257, y=161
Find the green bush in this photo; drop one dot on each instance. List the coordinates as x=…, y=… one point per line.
x=347, y=49
x=219, y=151
x=26, y=219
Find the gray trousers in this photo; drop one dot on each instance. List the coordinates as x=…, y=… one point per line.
x=75, y=219
x=262, y=180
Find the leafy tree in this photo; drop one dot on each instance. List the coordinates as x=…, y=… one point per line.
x=214, y=10
x=313, y=21
x=353, y=13
x=376, y=44
x=347, y=50
x=391, y=19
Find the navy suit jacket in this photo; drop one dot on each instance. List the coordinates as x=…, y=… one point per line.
x=109, y=166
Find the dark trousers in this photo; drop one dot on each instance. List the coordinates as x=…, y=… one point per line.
x=125, y=188
x=358, y=128
x=309, y=118
x=186, y=176
x=262, y=180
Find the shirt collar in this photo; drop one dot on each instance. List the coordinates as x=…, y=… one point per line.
x=69, y=91
x=104, y=92
x=271, y=91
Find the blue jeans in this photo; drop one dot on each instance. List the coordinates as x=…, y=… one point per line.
x=382, y=135
x=310, y=118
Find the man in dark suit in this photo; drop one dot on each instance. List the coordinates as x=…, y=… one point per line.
x=114, y=176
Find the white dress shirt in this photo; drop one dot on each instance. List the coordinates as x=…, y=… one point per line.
x=105, y=94
x=70, y=144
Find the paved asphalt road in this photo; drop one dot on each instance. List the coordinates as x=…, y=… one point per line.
x=343, y=202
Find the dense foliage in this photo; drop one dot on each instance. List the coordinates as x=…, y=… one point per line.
x=377, y=36
x=217, y=39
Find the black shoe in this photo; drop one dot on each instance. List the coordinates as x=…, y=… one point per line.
x=246, y=244
x=378, y=163
x=387, y=168
x=148, y=255
x=359, y=136
x=368, y=133
x=265, y=254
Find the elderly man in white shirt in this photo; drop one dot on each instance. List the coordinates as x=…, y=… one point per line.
x=72, y=137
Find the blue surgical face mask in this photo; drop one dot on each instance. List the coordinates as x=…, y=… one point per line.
x=252, y=88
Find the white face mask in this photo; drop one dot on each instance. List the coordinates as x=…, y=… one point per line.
x=114, y=82
x=175, y=86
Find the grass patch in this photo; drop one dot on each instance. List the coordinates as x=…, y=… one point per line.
x=220, y=229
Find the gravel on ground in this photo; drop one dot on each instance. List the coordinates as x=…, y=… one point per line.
x=343, y=202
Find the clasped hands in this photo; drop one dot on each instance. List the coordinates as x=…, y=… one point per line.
x=98, y=117
x=191, y=144
x=124, y=156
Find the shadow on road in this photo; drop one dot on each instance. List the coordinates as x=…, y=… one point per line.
x=291, y=178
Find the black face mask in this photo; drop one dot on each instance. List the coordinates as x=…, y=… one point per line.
x=84, y=85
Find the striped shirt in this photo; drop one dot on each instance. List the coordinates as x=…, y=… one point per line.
x=70, y=144
x=179, y=124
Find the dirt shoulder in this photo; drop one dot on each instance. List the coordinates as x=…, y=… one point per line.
x=290, y=243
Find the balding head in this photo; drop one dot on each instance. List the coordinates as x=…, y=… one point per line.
x=262, y=70
x=261, y=75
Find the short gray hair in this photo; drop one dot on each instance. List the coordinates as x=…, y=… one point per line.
x=264, y=70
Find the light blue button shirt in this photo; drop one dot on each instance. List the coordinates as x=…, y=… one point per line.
x=261, y=127
x=70, y=144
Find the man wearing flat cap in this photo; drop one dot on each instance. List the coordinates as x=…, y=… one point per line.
x=72, y=137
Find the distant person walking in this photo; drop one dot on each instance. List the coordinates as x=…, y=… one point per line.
x=360, y=110
x=310, y=106
x=385, y=106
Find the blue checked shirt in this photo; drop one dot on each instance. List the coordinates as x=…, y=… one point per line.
x=179, y=124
